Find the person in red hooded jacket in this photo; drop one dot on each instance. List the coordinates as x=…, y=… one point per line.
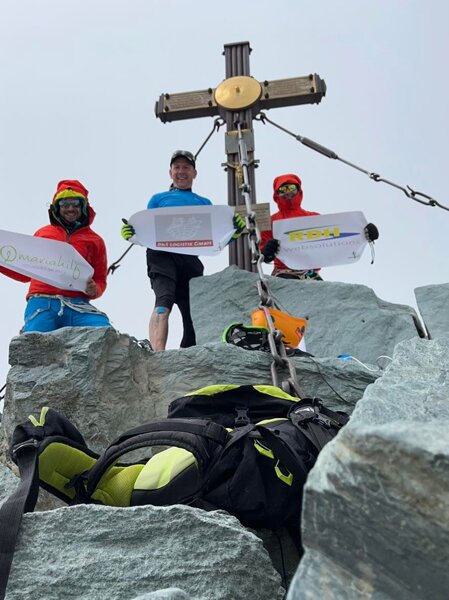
x=49, y=308
x=288, y=196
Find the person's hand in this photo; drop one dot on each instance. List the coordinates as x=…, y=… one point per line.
x=127, y=231
x=371, y=232
x=91, y=287
x=270, y=250
x=239, y=225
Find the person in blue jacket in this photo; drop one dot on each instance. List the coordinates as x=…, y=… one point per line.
x=169, y=272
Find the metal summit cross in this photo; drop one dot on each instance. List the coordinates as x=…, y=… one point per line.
x=238, y=100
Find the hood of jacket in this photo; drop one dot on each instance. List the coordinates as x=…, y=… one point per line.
x=88, y=213
x=283, y=204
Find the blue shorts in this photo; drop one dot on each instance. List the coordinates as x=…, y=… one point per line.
x=47, y=314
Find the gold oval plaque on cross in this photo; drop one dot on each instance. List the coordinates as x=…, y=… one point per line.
x=237, y=93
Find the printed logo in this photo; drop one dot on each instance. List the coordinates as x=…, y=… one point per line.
x=314, y=235
x=183, y=231
x=8, y=253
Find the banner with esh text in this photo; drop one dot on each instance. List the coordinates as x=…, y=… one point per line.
x=50, y=261
x=321, y=241
x=185, y=229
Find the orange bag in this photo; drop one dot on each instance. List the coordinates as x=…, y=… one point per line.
x=293, y=328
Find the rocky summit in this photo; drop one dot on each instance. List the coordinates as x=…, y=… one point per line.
x=376, y=504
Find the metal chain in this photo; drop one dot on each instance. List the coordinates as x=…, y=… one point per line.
x=277, y=348
x=408, y=191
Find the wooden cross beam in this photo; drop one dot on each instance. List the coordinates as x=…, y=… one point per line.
x=239, y=98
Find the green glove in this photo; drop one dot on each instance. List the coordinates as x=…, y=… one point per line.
x=239, y=225
x=127, y=231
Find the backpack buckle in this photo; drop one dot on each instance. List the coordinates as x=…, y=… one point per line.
x=325, y=421
x=301, y=414
x=18, y=447
x=242, y=417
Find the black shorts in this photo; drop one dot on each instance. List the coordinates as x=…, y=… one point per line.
x=170, y=275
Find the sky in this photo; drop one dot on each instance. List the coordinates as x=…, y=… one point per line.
x=79, y=81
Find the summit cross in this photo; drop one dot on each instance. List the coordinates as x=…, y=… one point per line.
x=238, y=100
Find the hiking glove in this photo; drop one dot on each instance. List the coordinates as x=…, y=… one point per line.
x=371, y=232
x=239, y=225
x=270, y=250
x=127, y=231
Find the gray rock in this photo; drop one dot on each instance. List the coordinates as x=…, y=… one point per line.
x=8, y=482
x=376, y=510
x=93, y=552
x=105, y=383
x=342, y=318
x=433, y=304
x=167, y=594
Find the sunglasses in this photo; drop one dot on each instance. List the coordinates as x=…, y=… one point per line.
x=66, y=202
x=288, y=187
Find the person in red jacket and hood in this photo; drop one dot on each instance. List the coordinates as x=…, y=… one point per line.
x=288, y=196
x=49, y=308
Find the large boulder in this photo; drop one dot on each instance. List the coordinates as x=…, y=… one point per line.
x=101, y=552
x=376, y=511
x=105, y=383
x=342, y=318
x=433, y=302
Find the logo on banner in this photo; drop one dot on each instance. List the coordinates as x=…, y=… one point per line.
x=183, y=230
x=315, y=235
x=10, y=255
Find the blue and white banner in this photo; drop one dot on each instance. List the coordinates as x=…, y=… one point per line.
x=321, y=241
x=184, y=229
x=50, y=261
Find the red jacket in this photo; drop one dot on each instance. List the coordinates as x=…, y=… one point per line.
x=288, y=209
x=88, y=243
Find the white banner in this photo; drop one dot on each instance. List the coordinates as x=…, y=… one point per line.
x=321, y=241
x=50, y=261
x=184, y=229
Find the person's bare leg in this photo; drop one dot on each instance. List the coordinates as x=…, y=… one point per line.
x=158, y=329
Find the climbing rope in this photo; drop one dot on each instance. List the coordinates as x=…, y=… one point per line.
x=408, y=191
x=277, y=348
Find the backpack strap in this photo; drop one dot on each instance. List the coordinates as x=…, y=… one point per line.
x=27, y=440
x=22, y=500
x=204, y=439
x=317, y=423
x=283, y=452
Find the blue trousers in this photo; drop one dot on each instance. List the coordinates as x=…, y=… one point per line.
x=48, y=314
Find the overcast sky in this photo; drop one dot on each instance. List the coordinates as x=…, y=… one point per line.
x=78, y=85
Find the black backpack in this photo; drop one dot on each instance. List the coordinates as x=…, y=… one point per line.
x=245, y=449
x=275, y=440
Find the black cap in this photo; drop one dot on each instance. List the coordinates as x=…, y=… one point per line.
x=183, y=154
